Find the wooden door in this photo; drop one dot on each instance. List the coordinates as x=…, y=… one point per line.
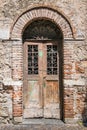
x=41, y=80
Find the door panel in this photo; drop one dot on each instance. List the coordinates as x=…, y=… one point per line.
x=51, y=89
x=41, y=80
x=32, y=78
x=51, y=100
x=51, y=92
x=33, y=107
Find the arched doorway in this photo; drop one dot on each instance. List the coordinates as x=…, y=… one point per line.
x=42, y=40
x=21, y=36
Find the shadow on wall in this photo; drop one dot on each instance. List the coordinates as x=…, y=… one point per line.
x=84, y=113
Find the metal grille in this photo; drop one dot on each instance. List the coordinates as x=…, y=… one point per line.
x=52, y=59
x=42, y=29
x=32, y=59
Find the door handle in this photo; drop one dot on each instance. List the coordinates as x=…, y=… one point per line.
x=44, y=81
x=44, y=77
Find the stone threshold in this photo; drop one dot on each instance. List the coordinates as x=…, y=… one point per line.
x=42, y=121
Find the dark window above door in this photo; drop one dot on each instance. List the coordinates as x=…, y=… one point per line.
x=42, y=30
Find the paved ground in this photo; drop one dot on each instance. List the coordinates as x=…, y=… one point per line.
x=44, y=124
x=42, y=127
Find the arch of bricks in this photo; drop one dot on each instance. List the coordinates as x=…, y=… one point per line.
x=46, y=13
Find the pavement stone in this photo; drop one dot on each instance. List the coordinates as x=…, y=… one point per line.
x=42, y=127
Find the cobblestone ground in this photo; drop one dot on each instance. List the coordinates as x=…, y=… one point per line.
x=42, y=127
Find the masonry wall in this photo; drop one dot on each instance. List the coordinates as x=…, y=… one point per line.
x=75, y=79
x=75, y=59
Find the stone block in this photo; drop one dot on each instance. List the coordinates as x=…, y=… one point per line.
x=4, y=33
x=17, y=119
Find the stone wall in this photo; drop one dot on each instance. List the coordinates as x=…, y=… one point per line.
x=5, y=104
x=75, y=61
x=5, y=73
x=75, y=78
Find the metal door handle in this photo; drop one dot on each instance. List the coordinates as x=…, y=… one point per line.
x=44, y=77
x=44, y=81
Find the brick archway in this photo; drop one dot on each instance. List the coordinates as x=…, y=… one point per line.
x=46, y=13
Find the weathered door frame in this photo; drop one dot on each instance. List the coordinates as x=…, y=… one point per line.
x=25, y=66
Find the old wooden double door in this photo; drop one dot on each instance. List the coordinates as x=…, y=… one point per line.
x=41, y=80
